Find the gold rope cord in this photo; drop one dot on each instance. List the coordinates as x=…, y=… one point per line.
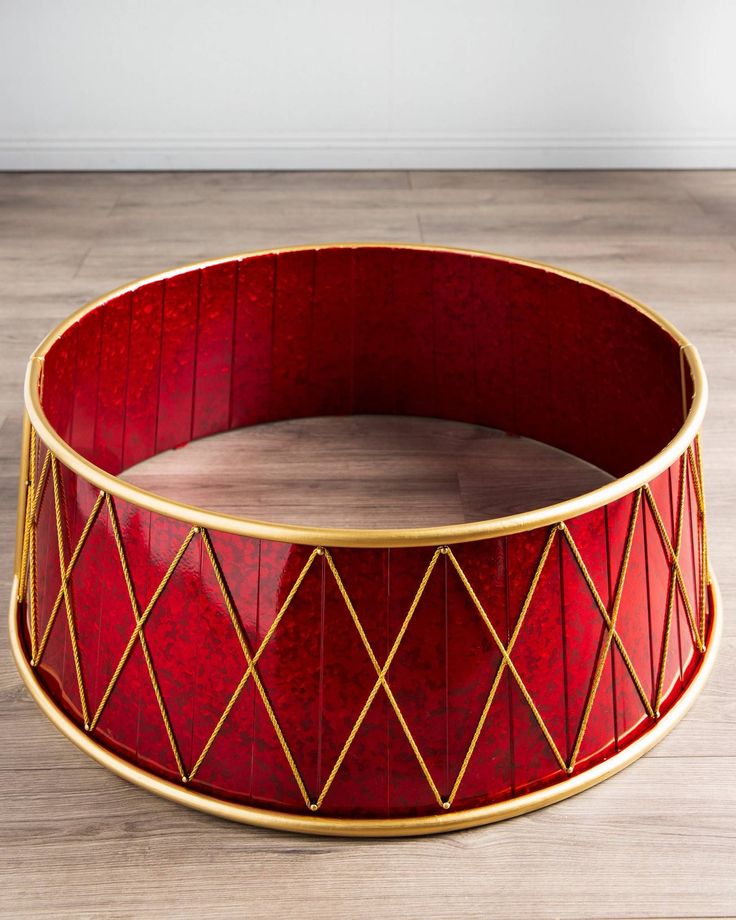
x=27, y=574
x=140, y=624
x=41, y=487
x=502, y=664
x=37, y=484
x=676, y=579
x=605, y=649
x=66, y=575
x=115, y=526
x=30, y=482
x=696, y=466
x=251, y=661
x=509, y=663
x=60, y=532
x=36, y=489
x=673, y=554
x=607, y=619
x=381, y=680
x=671, y=586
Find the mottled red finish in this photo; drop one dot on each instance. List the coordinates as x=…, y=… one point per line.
x=377, y=330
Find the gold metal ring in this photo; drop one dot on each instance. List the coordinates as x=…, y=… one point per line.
x=414, y=536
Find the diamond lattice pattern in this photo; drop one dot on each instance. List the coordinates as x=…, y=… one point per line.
x=235, y=672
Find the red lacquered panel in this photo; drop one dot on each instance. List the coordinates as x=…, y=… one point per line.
x=332, y=321
x=378, y=376
x=144, y=373
x=436, y=729
x=178, y=351
x=390, y=682
x=112, y=385
x=251, y=372
x=214, y=354
x=291, y=346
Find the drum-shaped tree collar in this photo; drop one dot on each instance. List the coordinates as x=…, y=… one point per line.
x=375, y=681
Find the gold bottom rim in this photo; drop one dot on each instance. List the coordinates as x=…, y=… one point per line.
x=369, y=827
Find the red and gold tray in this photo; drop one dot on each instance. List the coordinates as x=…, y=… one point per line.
x=367, y=682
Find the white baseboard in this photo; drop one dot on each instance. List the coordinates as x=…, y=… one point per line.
x=370, y=152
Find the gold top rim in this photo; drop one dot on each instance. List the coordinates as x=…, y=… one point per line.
x=392, y=537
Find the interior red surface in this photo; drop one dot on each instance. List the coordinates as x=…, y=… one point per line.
x=365, y=330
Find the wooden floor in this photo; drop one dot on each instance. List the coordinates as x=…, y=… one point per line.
x=367, y=472
x=659, y=840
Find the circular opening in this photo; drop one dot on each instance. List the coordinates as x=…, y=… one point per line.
x=367, y=329
x=367, y=471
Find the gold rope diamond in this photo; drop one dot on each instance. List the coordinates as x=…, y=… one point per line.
x=50, y=470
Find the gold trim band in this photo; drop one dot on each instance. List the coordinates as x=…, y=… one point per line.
x=417, y=536
x=373, y=827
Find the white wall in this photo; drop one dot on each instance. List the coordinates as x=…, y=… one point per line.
x=108, y=84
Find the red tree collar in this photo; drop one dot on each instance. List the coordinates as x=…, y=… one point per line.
x=364, y=681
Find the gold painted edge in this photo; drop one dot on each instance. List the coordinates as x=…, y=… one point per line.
x=419, y=536
x=370, y=827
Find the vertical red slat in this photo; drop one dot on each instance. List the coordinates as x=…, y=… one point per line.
x=48, y=583
x=377, y=371
x=632, y=623
x=331, y=352
x=178, y=349
x=493, y=346
x=57, y=384
x=86, y=385
x=538, y=657
x=585, y=637
x=227, y=767
x=293, y=690
x=252, y=346
x=144, y=373
x=679, y=622
x=474, y=659
x=348, y=677
x=412, y=323
x=292, y=336
x=113, y=384
x=418, y=678
x=658, y=575
x=573, y=344
x=174, y=638
x=454, y=337
x=531, y=320
x=689, y=564
x=212, y=385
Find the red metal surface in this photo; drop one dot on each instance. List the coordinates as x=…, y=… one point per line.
x=372, y=330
